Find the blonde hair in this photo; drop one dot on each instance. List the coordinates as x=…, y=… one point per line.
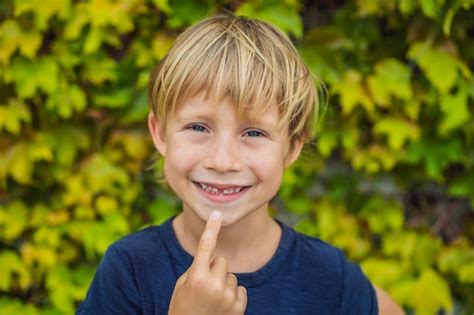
x=248, y=60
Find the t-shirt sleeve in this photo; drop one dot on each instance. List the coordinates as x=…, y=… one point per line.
x=113, y=289
x=358, y=295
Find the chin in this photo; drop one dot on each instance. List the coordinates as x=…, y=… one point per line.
x=226, y=221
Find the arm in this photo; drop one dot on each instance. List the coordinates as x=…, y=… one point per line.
x=387, y=306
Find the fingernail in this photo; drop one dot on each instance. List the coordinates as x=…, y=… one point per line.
x=216, y=215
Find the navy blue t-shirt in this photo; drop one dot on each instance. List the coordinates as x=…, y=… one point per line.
x=138, y=273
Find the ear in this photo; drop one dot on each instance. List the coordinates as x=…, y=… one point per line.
x=158, y=133
x=293, y=152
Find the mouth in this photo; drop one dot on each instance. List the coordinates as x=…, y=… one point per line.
x=221, y=193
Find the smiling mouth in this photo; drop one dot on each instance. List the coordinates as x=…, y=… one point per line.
x=221, y=191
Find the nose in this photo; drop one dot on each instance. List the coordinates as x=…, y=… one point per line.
x=223, y=156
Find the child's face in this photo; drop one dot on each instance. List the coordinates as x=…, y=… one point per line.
x=216, y=161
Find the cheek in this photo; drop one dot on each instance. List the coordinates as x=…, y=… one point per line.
x=181, y=158
x=269, y=168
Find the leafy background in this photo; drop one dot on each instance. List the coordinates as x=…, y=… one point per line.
x=389, y=177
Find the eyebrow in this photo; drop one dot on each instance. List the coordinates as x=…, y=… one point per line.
x=206, y=115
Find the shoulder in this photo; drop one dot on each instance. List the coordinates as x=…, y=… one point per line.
x=312, y=248
x=139, y=240
x=356, y=291
x=137, y=247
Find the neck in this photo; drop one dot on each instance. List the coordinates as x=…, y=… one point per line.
x=256, y=235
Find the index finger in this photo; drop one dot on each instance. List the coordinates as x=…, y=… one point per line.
x=208, y=241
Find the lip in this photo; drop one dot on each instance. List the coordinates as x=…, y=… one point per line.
x=218, y=198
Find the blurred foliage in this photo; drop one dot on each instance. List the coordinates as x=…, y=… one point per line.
x=389, y=178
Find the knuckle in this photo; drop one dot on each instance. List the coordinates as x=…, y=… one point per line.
x=216, y=288
x=230, y=295
x=232, y=277
x=198, y=282
x=219, y=260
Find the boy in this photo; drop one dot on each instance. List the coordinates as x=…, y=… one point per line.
x=231, y=107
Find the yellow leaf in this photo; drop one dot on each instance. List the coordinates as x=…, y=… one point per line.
x=13, y=220
x=42, y=255
x=14, y=272
x=353, y=93
x=116, y=13
x=106, y=205
x=161, y=44
x=391, y=78
x=78, y=20
x=430, y=294
x=13, y=114
x=20, y=165
x=383, y=272
x=43, y=11
x=13, y=37
x=58, y=217
x=398, y=130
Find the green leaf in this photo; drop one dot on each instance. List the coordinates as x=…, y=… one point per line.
x=279, y=13
x=67, y=100
x=374, y=7
x=327, y=141
x=14, y=272
x=76, y=23
x=434, y=154
x=13, y=37
x=383, y=272
x=440, y=67
x=398, y=130
x=43, y=12
x=30, y=77
x=102, y=175
x=116, y=98
x=13, y=220
x=373, y=159
x=9, y=305
x=383, y=215
x=432, y=8
x=463, y=186
x=94, y=39
x=407, y=6
x=187, y=12
x=431, y=293
x=352, y=93
x=115, y=13
x=455, y=110
x=65, y=288
x=13, y=114
x=419, y=249
x=99, y=69
x=391, y=78
x=466, y=273
x=163, y=5
x=161, y=209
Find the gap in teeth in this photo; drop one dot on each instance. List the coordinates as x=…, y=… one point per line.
x=216, y=191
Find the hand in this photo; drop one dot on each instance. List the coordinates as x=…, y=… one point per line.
x=206, y=287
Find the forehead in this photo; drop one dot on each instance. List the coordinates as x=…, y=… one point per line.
x=208, y=105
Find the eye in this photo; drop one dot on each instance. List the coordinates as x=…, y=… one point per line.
x=254, y=133
x=198, y=128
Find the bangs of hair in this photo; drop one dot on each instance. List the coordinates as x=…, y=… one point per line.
x=249, y=61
